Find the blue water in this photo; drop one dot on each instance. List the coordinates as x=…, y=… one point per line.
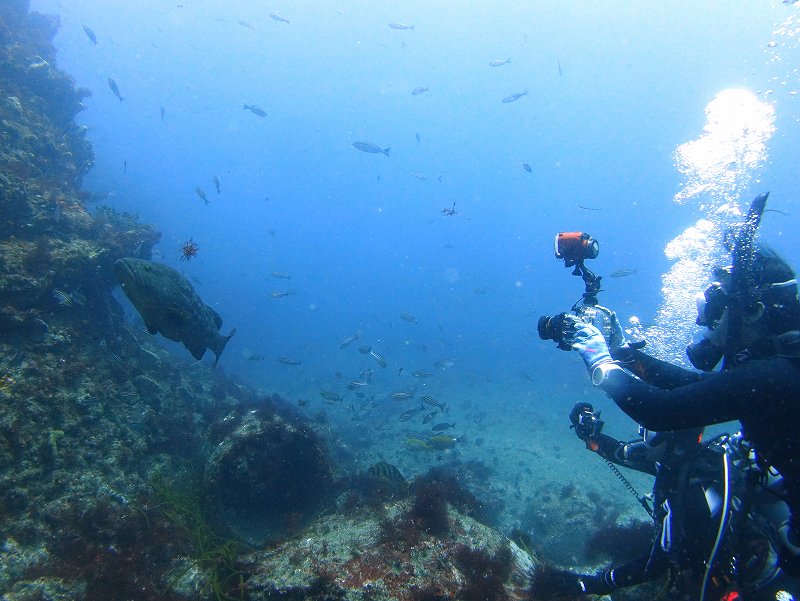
x=613, y=89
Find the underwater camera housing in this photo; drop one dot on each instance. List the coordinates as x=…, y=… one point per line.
x=574, y=248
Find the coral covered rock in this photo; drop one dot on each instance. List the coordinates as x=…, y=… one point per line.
x=266, y=479
x=343, y=557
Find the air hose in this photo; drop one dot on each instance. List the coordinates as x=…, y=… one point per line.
x=723, y=522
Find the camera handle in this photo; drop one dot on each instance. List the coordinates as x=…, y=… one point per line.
x=591, y=284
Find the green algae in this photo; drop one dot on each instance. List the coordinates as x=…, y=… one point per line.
x=216, y=556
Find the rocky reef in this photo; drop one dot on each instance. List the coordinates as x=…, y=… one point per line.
x=48, y=240
x=90, y=408
x=382, y=556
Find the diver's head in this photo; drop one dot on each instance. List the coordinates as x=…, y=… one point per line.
x=776, y=290
x=771, y=307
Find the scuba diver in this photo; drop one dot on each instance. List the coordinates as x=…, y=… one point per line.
x=752, y=316
x=706, y=512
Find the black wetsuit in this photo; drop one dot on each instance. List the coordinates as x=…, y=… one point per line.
x=763, y=394
x=684, y=470
x=687, y=527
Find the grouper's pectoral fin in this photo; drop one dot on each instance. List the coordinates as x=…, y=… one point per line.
x=219, y=345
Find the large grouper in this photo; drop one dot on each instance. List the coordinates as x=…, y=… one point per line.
x=169, y=304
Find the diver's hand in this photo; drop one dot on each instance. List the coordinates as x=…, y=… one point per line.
x=595, y=584
x=556, y=584
x=616, y=339
x=590, y=344
x=562, y=584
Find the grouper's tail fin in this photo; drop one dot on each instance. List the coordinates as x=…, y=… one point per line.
x=220, y=346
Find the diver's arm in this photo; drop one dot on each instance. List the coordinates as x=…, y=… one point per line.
x=588, y=427
x=712, y=399
x=654, y=371
x=634, y=572
x=630, y=454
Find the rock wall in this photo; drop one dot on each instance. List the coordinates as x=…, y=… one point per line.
x=92, y=410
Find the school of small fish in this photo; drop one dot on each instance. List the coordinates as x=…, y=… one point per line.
x=406, y=385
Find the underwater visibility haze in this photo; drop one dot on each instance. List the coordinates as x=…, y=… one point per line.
x=365, y=195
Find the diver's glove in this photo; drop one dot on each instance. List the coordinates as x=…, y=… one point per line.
x=618, y=344
x=562, y=584
x=596, y=584
x=616, y=339
x=590, y=344
x=554, y=583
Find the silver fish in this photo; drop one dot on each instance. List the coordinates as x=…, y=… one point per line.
x=78, y=297
x=371, y=148
x=381, y=361
x=429, y=417
x=216, y=183
x=347, y=341
x=402, y=396
x=409, y=318
x=245, y=24
x=408, y=414
x=62, y=298
x=622, y=273
x=500, y=63
x=289, y=361
x=400, y=26
x=513, y=97
x=201, y=193
x=421, y=373
x=114, y=88
x=330, y=396
x=256, y=110
x=278, y=18
x=90, y=34
x=419, y=90
x=366, y=374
